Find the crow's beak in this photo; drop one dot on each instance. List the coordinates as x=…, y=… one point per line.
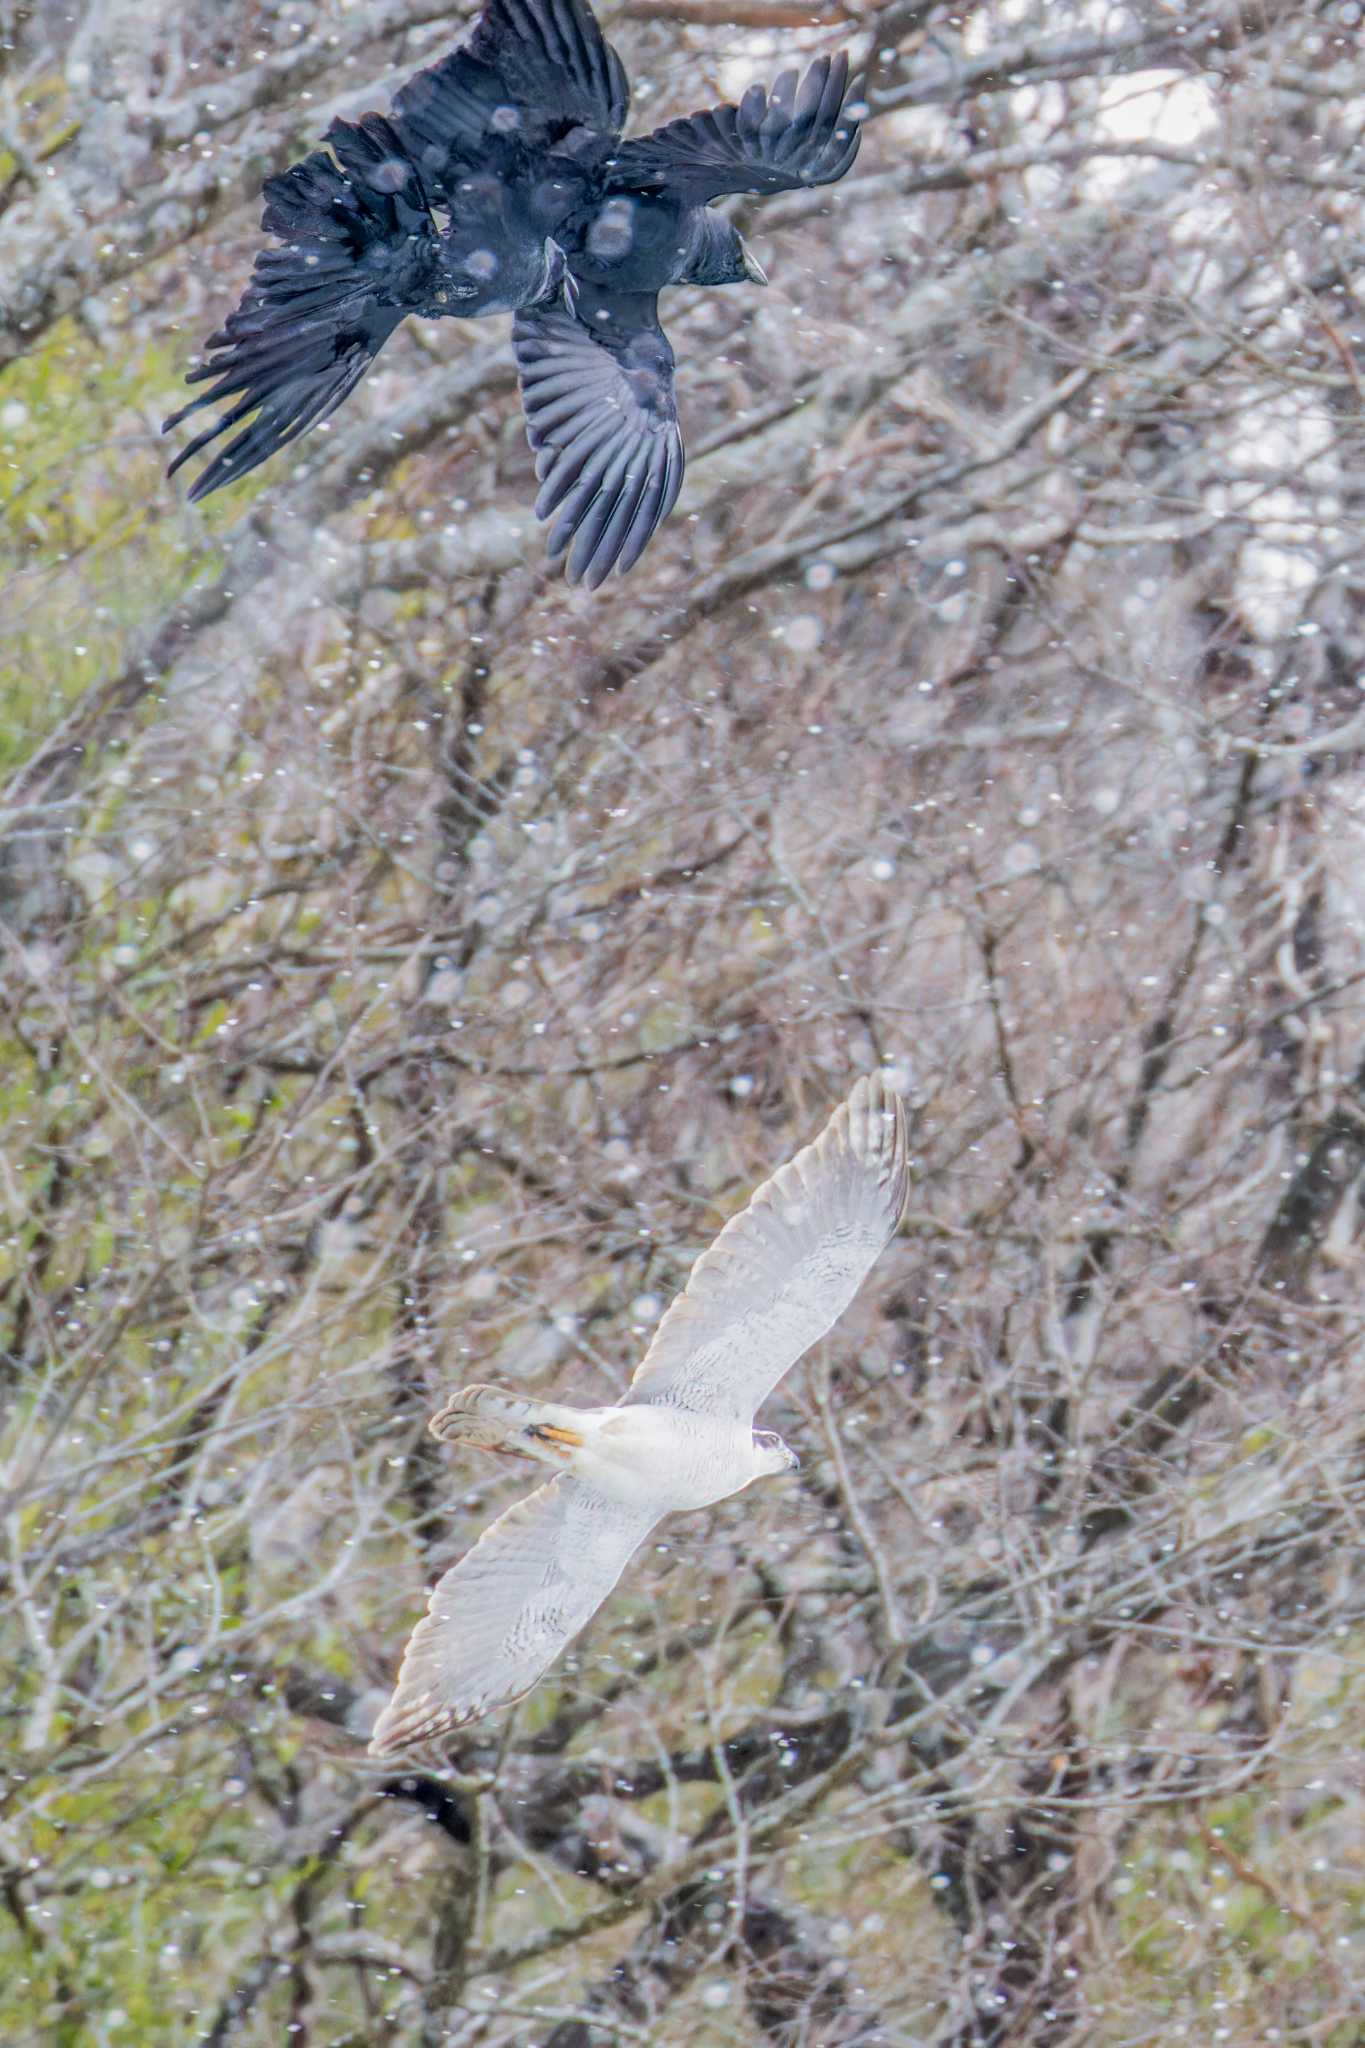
x=753, y=270
x=557, y=276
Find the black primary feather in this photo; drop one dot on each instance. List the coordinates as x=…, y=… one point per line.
x=776, y=140
x=536, y=79
x=597, y=389
x=360, y=252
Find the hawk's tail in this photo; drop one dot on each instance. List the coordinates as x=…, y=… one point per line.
x=493, y=1421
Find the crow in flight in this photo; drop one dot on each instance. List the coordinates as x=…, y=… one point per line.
x=499, y=182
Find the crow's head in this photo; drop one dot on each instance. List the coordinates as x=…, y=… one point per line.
x=718, y=254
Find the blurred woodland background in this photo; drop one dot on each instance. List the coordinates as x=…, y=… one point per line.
x=407, y=963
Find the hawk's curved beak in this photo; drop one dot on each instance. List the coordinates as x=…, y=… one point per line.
x=753, y=269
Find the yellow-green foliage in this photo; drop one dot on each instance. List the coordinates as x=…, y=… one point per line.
x=132, y=1878
x=1245, y=1921
x=93, y=541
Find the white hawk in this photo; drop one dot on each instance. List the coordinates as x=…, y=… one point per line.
x=682, y=1436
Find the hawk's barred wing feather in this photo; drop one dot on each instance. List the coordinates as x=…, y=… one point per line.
x=784, y=1270
x=500, y=1617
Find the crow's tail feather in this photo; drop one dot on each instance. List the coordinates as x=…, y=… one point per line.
x=360, y=254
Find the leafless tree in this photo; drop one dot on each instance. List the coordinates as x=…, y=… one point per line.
x=407, y=962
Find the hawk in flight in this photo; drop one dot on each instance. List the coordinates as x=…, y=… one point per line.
x=778, y=1277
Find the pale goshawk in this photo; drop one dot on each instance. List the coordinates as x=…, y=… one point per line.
x=778, y=1276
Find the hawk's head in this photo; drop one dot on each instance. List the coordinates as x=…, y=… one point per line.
x=773, y=1454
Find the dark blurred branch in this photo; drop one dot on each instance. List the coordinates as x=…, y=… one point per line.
x=1033, y=60
x=743, y=13
x=796, y=1984
x=1308, y=1207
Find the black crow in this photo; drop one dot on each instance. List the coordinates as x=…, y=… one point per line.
x=499, y=182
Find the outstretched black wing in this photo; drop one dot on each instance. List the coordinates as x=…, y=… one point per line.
x=535, y=75
x=361, y=251
x=773, y=141
x=597, y=386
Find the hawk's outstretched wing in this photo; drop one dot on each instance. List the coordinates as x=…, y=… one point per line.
x=784, y=1269
x=501, y=1616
